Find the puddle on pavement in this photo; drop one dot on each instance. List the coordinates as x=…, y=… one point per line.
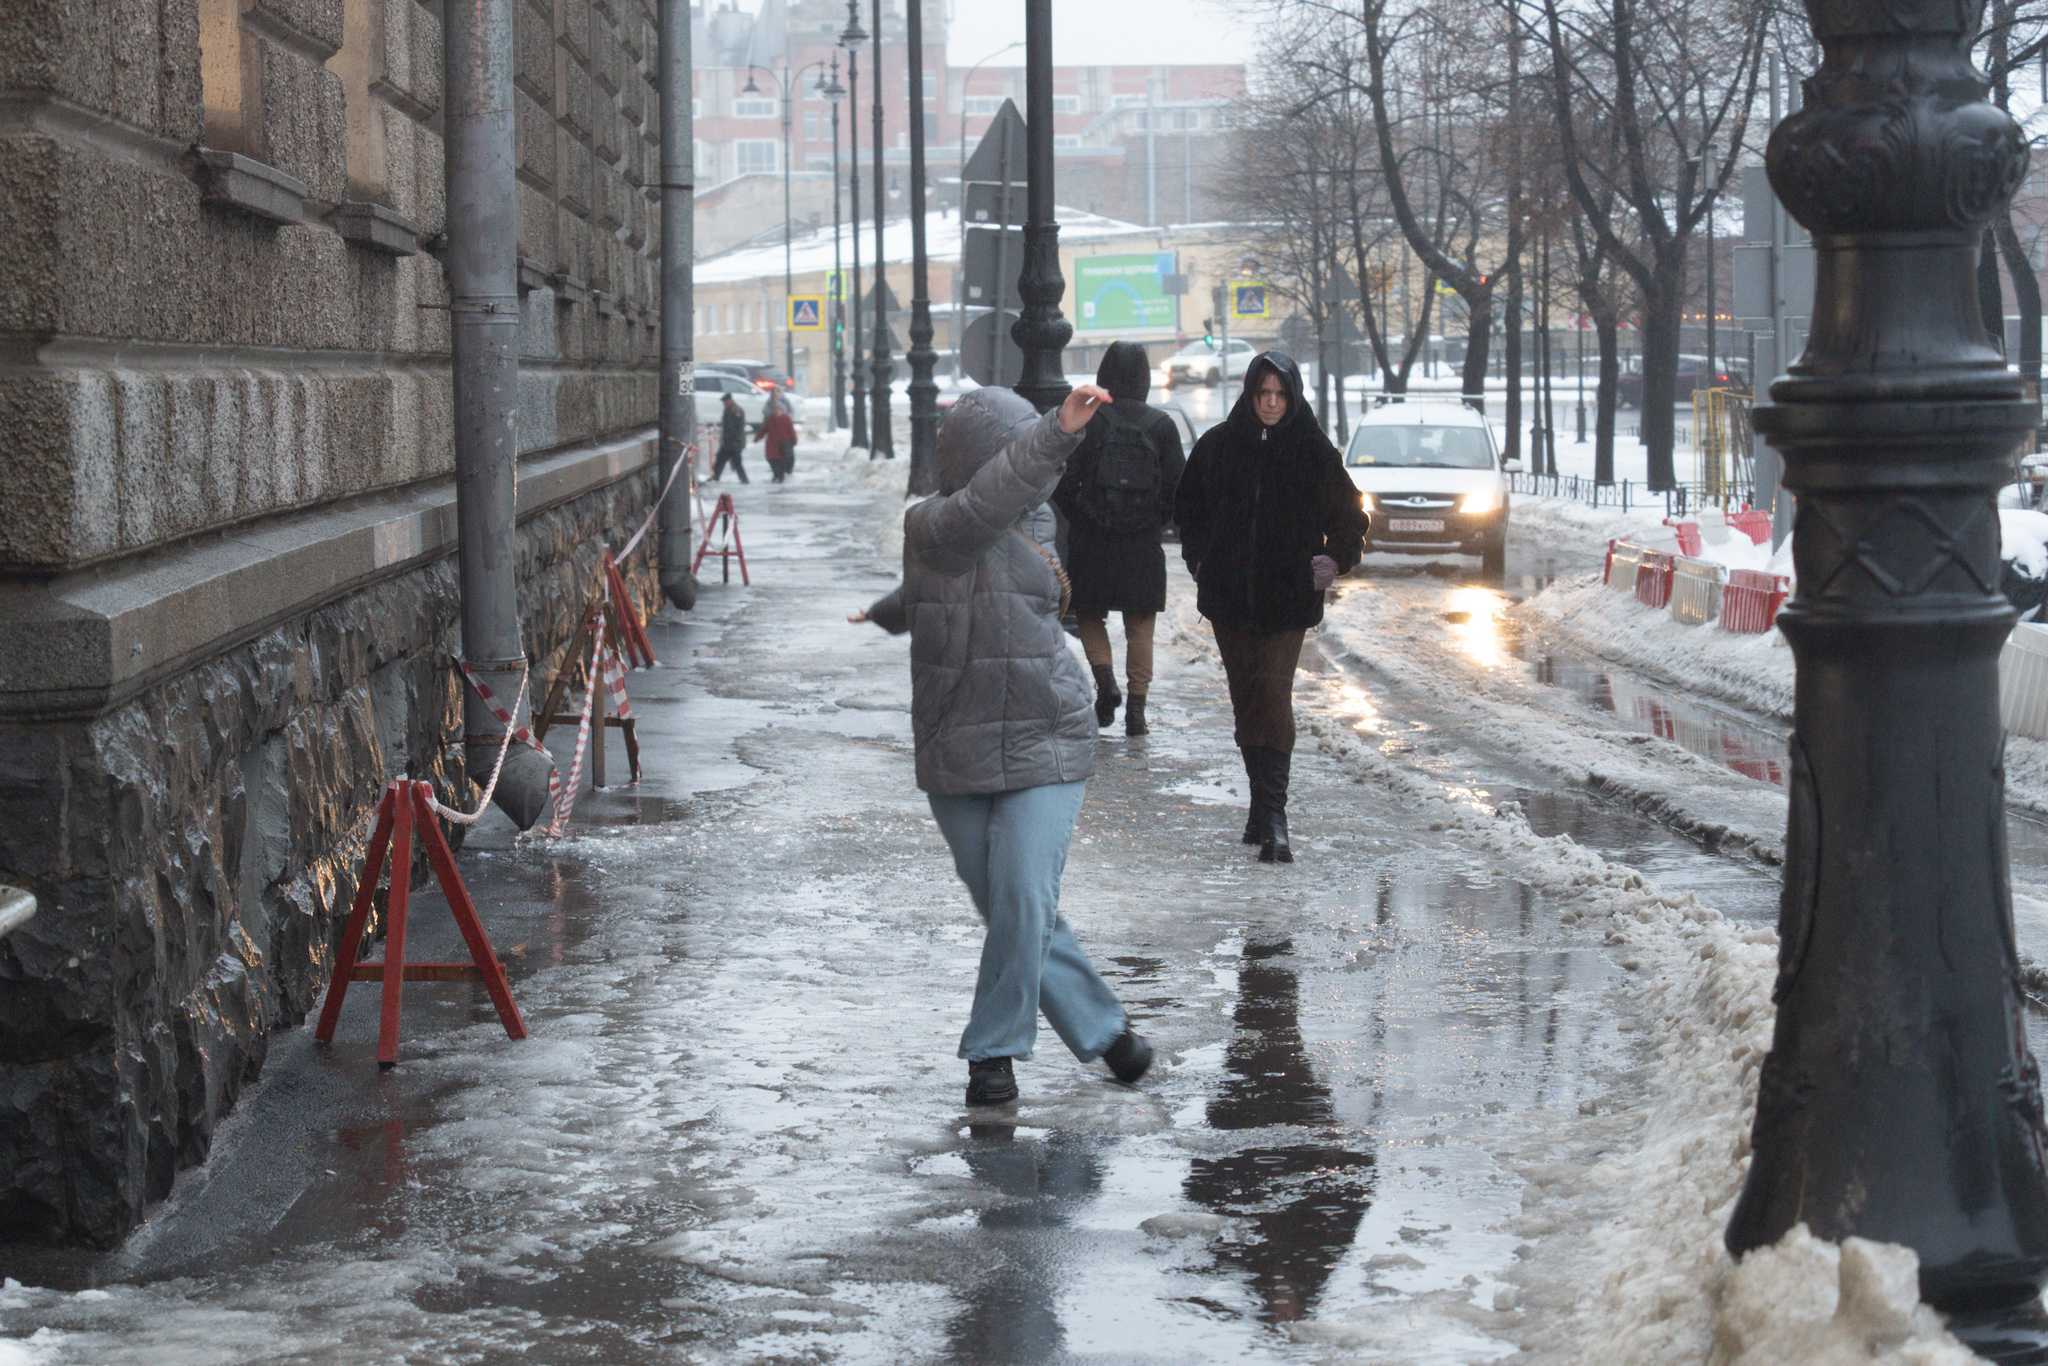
x=1302, y=1202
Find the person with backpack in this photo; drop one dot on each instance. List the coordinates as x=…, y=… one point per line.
x=732, y=440
x=1118, y=495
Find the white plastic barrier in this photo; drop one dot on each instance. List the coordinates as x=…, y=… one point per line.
x=2023, y=682
x=1696, y=591
x=1622, y=563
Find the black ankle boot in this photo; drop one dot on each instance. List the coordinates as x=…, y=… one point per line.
x=1130, y=1057
x=1134, y=716
x=1274, y=767
x=1107, y=698
x=990, y=1082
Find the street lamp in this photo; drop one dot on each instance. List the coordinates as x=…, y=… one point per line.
x=880, y=429
x=1900, y=1101
x=835, y=356
x=851, y=40
x=785, y=85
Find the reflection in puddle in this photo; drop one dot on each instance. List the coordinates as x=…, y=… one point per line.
x=1011, y=1314
x=1302, y=1202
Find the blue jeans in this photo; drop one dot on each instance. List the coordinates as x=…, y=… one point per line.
x=1010, y=849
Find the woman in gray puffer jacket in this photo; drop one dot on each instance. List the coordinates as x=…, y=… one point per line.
x=1005, y=726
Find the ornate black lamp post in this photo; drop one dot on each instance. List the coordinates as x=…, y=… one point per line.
x=785, y=84
x=1040, y=330
x=851, y=41
x=924, y=395
x=834, y=92
x=880, y=430
x=1899, y=1101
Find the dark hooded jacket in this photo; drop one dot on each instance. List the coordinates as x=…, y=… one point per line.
x=997, y=702
x=1116, y=570
x=1257, y=503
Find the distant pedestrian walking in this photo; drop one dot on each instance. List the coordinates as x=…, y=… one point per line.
x=778, y=438
x=1268, y=519
x=1118, y=496
x=1005, y=741
x=732, y=440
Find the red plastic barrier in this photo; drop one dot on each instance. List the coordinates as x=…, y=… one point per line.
x=1754, y=523
x=1688, y=533
x=1607, y=565
x=1750, y=602
x=1653, y=579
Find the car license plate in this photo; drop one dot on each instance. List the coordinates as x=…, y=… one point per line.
x=1416, y=525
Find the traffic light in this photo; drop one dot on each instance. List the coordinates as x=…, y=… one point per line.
x=1209, y=332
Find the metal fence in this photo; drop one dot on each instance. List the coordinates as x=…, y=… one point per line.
x=1627, y=495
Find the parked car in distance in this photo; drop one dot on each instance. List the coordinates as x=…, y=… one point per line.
x=711, y=386
x=1693, y=376
x=1201, y=363
x=1433, y=481
x=764, y=373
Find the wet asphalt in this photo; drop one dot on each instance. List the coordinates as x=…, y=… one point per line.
x=737, y=1133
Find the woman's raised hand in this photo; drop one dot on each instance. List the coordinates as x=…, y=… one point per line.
x=1080, y=406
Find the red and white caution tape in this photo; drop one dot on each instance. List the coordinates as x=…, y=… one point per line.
x=565, y=799
x=615, y=683
x=690, y=460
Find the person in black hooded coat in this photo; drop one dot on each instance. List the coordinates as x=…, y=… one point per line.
x=1113, y=525
x=1268, y=519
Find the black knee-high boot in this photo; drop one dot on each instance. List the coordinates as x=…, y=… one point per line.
x=1275, y=767
x=1255, y=819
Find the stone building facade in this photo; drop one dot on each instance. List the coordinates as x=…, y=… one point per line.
x=228, y=603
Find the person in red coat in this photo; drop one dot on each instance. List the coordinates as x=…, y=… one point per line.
x=778, y=438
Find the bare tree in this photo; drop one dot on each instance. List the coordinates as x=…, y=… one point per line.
x=1675, y=83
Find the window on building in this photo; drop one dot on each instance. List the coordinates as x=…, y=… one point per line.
x=705, y=157
x=981, y=104
x=756, y=156
x=931, y=127
x=755, y=107
x=1066, y=104
x=1128, y=100
x=696, y=109
x=814, y=126
x=931, y=88
x=1066, y=141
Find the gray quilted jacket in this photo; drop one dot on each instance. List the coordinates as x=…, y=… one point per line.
x=997, y=702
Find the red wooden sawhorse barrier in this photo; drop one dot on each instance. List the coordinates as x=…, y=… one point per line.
x=728, y=516
x=403, y=810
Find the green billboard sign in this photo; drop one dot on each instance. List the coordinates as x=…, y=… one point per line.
x=1123, y=293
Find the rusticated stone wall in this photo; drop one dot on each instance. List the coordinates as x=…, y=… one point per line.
x=223, y=319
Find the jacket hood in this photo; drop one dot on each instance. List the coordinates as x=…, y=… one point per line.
x=977, y=429
x=1245, y=421
x=1125, y=371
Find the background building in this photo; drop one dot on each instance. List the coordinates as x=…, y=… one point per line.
x=227, y=592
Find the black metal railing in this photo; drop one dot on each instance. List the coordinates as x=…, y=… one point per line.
x=1680, y=500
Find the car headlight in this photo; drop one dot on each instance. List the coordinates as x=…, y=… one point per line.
x=1479, y=501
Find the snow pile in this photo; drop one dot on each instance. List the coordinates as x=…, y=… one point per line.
x=1561, y=519
x=1809, y=1301
x=2024, y=538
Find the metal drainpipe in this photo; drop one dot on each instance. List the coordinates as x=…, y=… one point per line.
x=678, y=361
x=483, y=304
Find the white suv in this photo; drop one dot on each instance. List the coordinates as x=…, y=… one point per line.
x=1433, y=480
x=1201, y=363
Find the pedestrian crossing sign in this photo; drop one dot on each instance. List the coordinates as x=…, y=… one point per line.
x=807, y=313
x=1247, y=300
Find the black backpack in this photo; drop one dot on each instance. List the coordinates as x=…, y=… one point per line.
x=1123, y=495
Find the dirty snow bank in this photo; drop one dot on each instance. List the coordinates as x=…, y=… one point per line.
x=1626, y=1211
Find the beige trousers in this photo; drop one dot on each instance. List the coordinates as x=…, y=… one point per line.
x=1137, y=647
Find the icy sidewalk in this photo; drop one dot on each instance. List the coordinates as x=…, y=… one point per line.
x=1393, y=1080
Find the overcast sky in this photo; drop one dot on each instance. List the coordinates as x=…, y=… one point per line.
x=1084, y=33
